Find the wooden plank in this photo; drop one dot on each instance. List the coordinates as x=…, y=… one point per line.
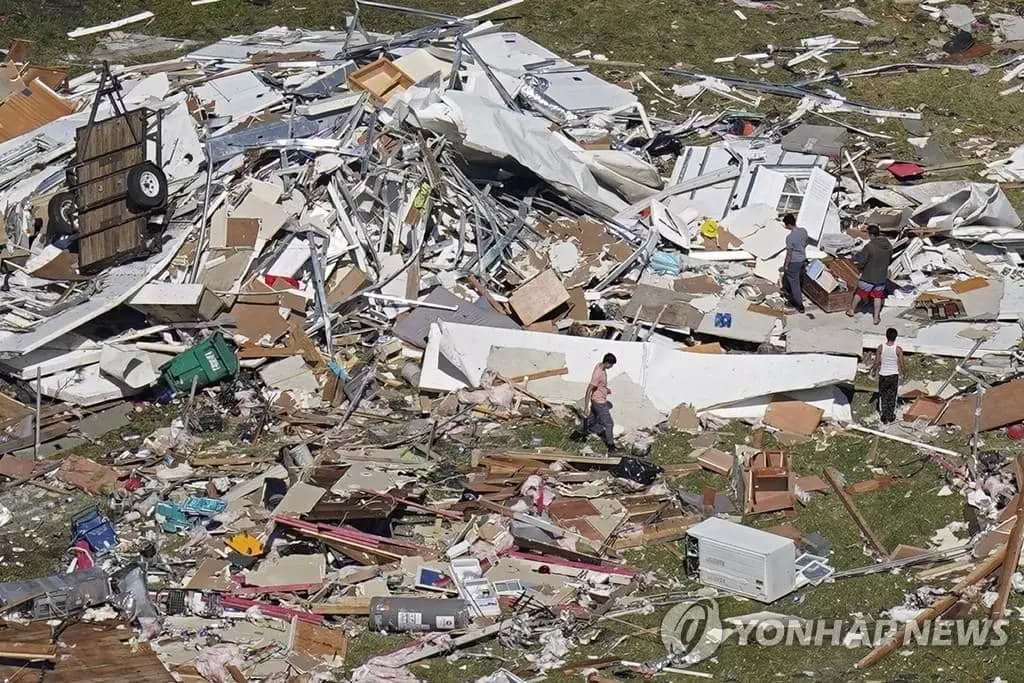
x=1001, y=405
x=539, y=297
x=851, y=507
x=30, y=652
x=1013, y=547
x=349, y=606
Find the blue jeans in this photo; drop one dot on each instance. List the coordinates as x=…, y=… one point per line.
x=791, y=284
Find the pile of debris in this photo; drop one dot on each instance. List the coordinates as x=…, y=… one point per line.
x=354, y=258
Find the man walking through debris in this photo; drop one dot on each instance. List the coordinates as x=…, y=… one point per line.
x=796, y=256
x=889, y=366
x=874, y=261
x=597, y=417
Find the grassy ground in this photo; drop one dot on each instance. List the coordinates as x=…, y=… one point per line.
x=657, y=33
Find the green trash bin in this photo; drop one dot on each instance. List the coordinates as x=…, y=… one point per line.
x=210, y=361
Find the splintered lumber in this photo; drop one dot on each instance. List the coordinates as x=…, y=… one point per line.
x=1013, y=546
x=832, y=476
x=353, y=606
x=935, y=610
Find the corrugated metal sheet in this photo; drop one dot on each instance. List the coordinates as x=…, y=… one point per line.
x=89, y=653
x=28, y=108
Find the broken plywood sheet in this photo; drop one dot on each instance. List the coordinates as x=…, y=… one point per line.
x=290, y=374
x=539, y=297
x=299, y=499
x=289, y=569
x=87, y=475
x=794, y=417
x=1000, y=406
x=670, y=308
x=369, y=476
x=684, y=419
x=212, y=575
x=415, y=327
x=833, y=402
x=669, y=376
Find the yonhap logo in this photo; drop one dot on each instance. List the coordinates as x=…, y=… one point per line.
x=692, y=630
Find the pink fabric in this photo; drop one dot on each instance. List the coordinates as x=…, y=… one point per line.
x=599, y=385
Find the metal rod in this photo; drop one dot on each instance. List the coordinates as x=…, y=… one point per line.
x=39, y=410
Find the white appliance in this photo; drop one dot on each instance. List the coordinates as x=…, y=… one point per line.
x=736, y=558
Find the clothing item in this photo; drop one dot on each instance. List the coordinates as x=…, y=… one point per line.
x=888, y=390
x=889, y=360
x=874, y=259
x=791, y=284
x=599, y=384
x=796, y=241
x=600, y=422
x=870, y=290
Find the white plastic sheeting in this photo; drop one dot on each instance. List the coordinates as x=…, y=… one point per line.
x=456, y=357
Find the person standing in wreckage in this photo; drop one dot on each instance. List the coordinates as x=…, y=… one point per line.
x=597, y=416
x=874, y=261
x=793, y=266
x=889, y=366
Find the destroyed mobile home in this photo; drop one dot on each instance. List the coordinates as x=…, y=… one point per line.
x=358, y=256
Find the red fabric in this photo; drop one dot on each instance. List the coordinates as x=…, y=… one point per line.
x=871, y=294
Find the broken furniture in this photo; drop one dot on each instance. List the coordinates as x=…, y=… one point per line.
x=769, y=482
x=830, y=283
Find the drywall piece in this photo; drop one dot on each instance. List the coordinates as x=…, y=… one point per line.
x=980, y=303
x=84, y=387
x=415, y=327
x=176, y=303
x=290, y=374
x=816, y=202
x=948, y=339
x=299, y=499
x=745, y=325
x=669, y=377
x=813, y=139
x=249, y=486
x=538, y=297
x=212, y=575
x=839, y=342
x=128, y=365
x=833, y=402
x=119, y=283
x=370, y=476
x=582, y=92
x=684, y=419
x=238, y=95
x=420, y=64
x=289, y=569
x=759, y=227
x=794, y=417
x=66, y=353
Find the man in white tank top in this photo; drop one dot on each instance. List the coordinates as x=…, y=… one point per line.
x=889, y=366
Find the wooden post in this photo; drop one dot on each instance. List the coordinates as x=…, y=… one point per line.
x=1013, y=546
x=39, y=410
x=851, y=507
x=935, y=610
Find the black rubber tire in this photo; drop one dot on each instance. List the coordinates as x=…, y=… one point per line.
x=146, y=188
x=61, y=214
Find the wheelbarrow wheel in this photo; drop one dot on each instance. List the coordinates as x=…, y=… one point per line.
x=146, y=188
x=61, y=212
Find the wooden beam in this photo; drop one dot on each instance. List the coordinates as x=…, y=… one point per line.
x=935, y=610
x=832, y=476
x=346, y=606
x=1013, y=547
x=29, y=652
